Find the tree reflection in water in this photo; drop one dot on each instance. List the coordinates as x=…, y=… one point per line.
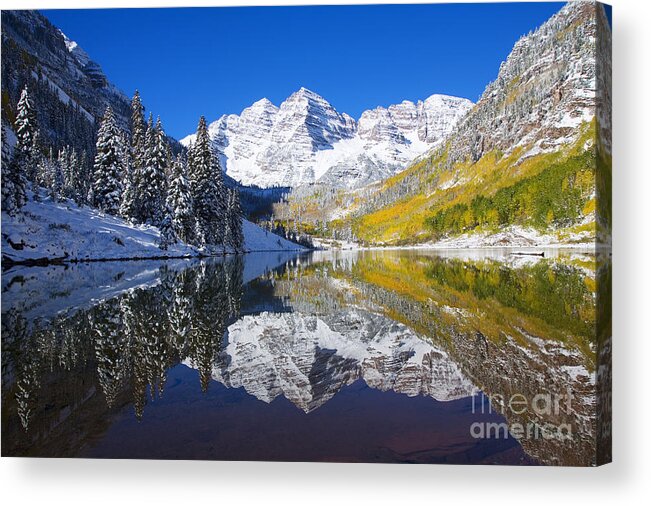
x=410, y=322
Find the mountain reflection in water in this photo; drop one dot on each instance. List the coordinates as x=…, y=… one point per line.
x=377, y=356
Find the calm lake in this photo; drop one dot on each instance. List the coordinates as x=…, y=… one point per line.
x=415, y=356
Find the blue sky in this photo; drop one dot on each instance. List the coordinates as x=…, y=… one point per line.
x=211, y=61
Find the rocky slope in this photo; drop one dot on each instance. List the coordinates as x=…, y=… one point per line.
x=533, y=128
x=545, y=89
x=69, y=89
x=307, y=140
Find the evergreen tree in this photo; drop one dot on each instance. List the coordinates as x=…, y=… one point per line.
x=152, y=187
x=63, y=161
x=107, y=177
x=167, y=235
x=179, y=201
x=36, y=158
x=50, y=176
x=26, y=154
x=138, y=129
x=83, y=178
x=14, y=184
x=150, y=181
x=129, y=207
x=207, y=189
x=128, y=204
x=42, y=170
x=234, y=236
x=73, y=176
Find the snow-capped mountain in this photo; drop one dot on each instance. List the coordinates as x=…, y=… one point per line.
x=306, y=140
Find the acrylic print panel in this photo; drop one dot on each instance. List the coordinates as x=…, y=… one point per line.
x=392, y=246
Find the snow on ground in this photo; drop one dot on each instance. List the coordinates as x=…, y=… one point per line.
x=327, y=243
x=510, y=237
x=62, y=230
x=65, y=231
x=513, y=236
x=258, y=239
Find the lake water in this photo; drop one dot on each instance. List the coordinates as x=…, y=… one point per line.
x=374, y=356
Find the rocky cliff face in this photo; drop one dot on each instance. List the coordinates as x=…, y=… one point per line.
x=70, y=90
x=544, y=90
x=306, y=140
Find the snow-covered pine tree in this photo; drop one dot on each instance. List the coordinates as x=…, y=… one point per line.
x=107, y=176
x=125, y=163
x=128, y=204
x=26, y=154
x=6, y=147
x=167, y=235
x=238, y=222
x=227, y=235
x=157, y=169
x=207, y=189
x=151, y=181
x=234, y=236
x=138, y=129
x=129, y=207
x=139, y=152
x=179, y=201
x=37, y=158
x=83, y=177
x=63, y=161
x=14, y=184
x=41, y=174
x=50, y=176
x=73, y=174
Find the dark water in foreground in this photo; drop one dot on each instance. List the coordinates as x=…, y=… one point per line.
x=383, y=356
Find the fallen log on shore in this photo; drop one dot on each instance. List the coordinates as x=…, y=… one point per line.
x=529, y=253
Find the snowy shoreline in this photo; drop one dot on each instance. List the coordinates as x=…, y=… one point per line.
x=57, y=233
x=8, y=263
x=513, y=237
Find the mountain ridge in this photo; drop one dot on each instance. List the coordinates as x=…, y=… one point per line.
x=306, y=140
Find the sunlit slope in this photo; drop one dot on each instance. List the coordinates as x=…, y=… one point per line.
x=549, y=192
x=526, y=155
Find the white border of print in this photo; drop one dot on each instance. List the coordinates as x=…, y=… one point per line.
x=105, y=482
